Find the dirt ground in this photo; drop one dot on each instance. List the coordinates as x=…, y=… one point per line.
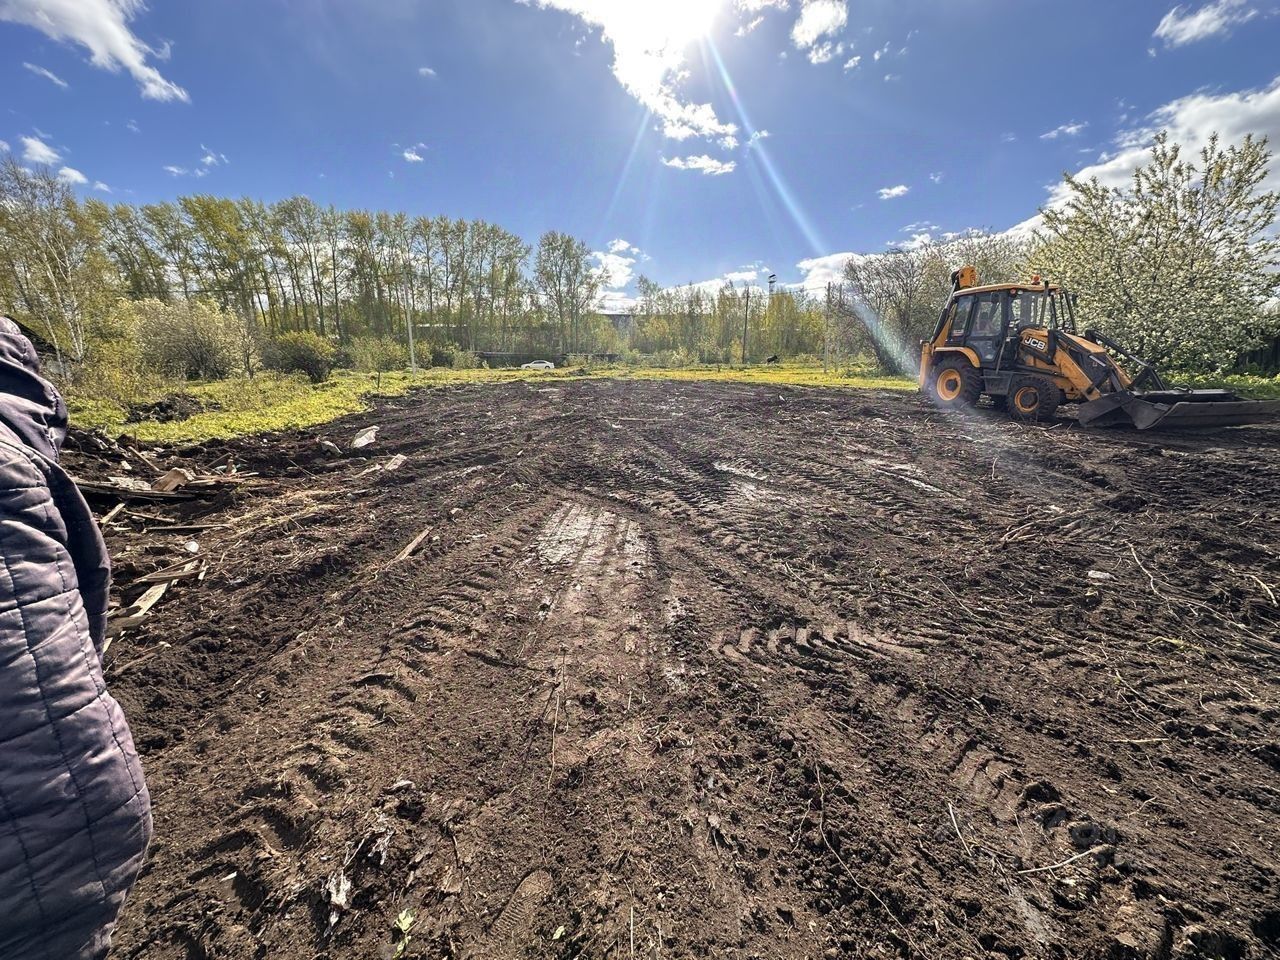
x=695, y=670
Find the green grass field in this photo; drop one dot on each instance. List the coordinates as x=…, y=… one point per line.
x=272, y=402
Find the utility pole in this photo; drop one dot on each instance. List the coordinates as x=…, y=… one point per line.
x=413, y=355
x=826, y=333
x=839, y=317
x=746, y=315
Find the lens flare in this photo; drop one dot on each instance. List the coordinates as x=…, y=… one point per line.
x=761, y=153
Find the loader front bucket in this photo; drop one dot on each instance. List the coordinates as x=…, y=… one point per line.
x=1176, y=409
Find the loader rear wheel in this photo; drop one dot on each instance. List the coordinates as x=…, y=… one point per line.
x=1033, y=398
x=956, y=384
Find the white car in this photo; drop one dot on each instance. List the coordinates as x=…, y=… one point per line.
x=538, y=365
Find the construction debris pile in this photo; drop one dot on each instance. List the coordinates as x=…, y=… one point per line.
x=156, y=498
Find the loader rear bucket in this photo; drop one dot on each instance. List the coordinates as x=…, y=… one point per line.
x=1176, y=409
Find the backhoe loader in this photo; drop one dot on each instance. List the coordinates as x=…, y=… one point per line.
x=1017, y=344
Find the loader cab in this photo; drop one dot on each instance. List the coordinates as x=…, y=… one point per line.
x=979, y=321
x=985, y=322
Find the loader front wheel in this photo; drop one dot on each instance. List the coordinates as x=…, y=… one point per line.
x=1033, y=398
x=956, y=384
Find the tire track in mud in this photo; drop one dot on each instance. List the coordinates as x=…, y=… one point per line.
x=734, y=675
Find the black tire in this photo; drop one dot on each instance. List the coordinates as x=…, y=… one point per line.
x=1000, y=402
x=1032, y=398
x=955, y=384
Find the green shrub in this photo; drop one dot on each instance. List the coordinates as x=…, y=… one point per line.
x=379, y=355
x=466, y=360
x=194, y=340
x=442, y=354
x=300, y=352
x=344, y=356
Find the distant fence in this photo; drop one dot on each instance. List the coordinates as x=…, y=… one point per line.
x=1267, y=359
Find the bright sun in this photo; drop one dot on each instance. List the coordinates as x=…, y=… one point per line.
x=675, y=24
x=699, y=17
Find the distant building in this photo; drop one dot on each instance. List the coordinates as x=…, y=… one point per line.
x=624, y=323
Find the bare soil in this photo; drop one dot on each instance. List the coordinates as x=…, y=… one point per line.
x=695, y=670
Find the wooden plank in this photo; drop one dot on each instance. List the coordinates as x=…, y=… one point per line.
x=90, y=488
x=182, y=571
x=412, y=546
x=175, y=478
x=136, y=612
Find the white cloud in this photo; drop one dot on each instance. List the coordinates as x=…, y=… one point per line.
x=618, y=260
x=35, y=150
x=132, y=126
x=47, y=74
x=935, y=177
x=212, y=158
x=101, y=27
x=1072, y=129
x=729, y=143
x=175, y=171
x=4, y=146
x=1008, y=138
x=740, y=279
x=820, y=271
x=755, y=11
x=757, y=136
x=916, y=241
x=412, y=155
x=708, y=165
x=616, y=301
x=825, y=52
x=426, y=72
x=892, y=193
x=650, y=43
x=852, y=63
x=1190, y=121
x=819, y=19
x=1182, y=25
x=72, y=176
x=101, y=187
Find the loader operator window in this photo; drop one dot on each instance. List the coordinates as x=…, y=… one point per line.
x=986, y=328
x=960, y=320
x=1023, y=310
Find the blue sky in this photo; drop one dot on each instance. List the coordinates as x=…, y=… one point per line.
x=630, y=123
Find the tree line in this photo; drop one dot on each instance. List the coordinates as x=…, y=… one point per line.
x=69, y=268
x=1183, y=263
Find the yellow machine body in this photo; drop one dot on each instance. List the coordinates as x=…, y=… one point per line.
x=1017, y=344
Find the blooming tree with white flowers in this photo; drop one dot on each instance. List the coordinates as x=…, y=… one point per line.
x=1180, y=264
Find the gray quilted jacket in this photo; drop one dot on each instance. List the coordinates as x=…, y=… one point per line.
x=75, y=818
